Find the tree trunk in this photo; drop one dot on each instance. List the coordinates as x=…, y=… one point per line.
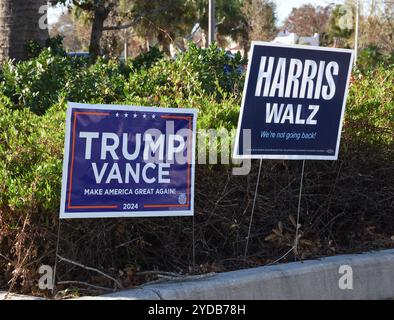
x=100, y=14
x=19, y=23
x=164, y=42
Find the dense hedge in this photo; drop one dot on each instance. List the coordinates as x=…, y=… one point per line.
x=344, y=200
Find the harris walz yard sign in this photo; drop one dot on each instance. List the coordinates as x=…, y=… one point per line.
x=293, y=102
x=127, y=161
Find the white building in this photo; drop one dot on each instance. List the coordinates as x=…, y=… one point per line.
x=292, y=38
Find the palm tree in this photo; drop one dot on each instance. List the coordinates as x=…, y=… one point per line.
x=19, y=23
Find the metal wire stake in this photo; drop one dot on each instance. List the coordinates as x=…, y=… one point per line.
x=194, y=246
x=56, y=254
x=299, y=209
x=254, y=204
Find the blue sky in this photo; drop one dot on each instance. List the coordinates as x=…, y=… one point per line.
x=284, y=7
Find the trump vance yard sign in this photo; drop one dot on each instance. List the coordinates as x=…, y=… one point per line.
x=128, y=161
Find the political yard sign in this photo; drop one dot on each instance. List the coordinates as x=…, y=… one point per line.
x=293, y=102
x=127, y=161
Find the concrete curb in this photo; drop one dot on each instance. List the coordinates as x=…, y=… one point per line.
x=373, y=278
x=13, y=296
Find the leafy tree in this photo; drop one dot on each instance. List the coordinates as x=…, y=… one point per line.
x=164, y=20
x=341, y=25
x=98, y=10
x=230, y=20
x=308, y=20
x=377, y=29
x=260, y=20
x=76, y=35
x=167, y=20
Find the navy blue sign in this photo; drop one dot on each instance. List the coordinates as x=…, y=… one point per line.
x=293, y=102
x=126, y=161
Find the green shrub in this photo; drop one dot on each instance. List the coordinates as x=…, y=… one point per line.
x=55, y=44
x=102, y=82
x=39, y=83
x=35, y=83
x=214, y=68
x=147, y=59
x=207, y=79
x=31, y=151
x=197, y=73
x=372, y=57
x=370, y=107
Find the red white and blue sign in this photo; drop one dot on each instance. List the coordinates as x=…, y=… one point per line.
x=128, y=161
x=293, y=102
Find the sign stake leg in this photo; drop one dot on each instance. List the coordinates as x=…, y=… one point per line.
x=193, y=246
x=56, y=254
x=298, y=211
x=253, y=207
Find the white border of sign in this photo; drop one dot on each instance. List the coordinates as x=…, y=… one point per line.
x=131, y=213
x=236, y=154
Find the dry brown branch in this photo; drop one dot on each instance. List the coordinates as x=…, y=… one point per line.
x=85, y=284
x=187, y=277
x=153, y=272
x=4, y=257
x=91, y=269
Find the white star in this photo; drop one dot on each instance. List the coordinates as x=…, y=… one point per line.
x=153, y=116
x=126, y=115
x=144, y=115
x=117, y=114
x=134, y=115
